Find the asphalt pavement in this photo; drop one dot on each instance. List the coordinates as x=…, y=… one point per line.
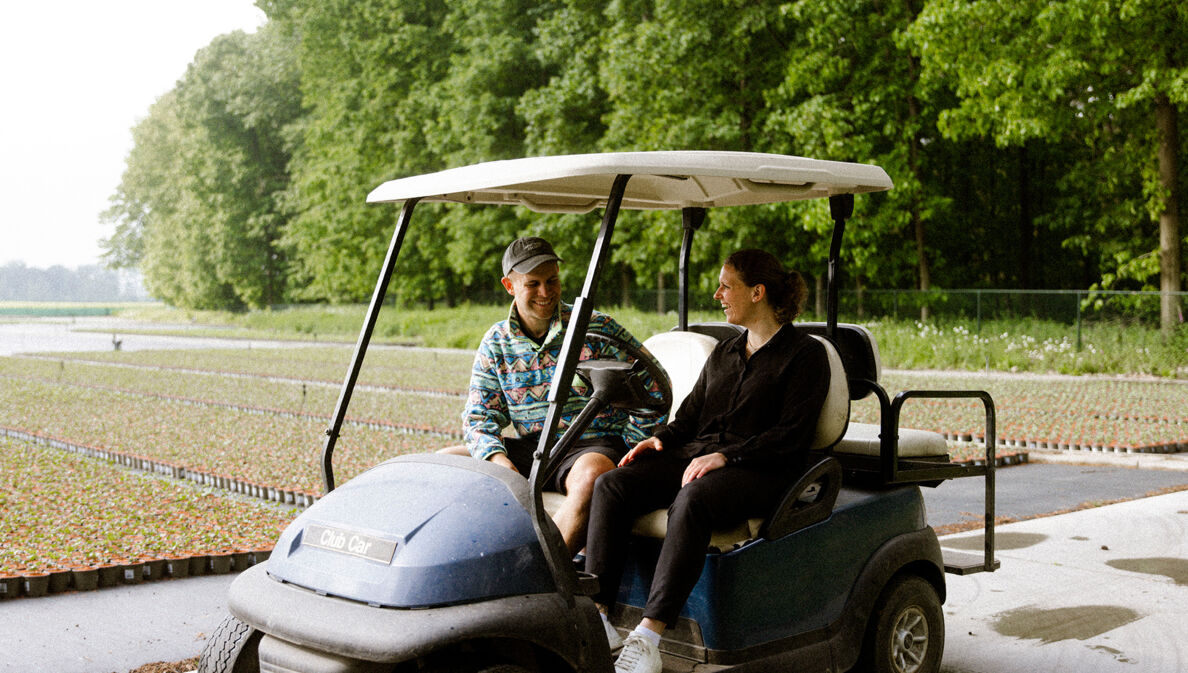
x=1056, y=482
x=1101, y=589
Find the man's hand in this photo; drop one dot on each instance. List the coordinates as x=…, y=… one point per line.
x=502, y=459
x=703, y=465
x=649, y=444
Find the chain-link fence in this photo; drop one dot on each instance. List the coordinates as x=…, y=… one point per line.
x=1067, y=306
x=973, y=307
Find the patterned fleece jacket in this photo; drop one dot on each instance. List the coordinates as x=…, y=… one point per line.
x=509, y=384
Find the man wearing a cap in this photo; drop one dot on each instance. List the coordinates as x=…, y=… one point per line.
x=509, y=385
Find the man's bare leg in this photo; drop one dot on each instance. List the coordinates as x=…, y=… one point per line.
x=573, y=516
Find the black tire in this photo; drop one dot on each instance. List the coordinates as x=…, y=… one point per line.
x=232, y=648
x=477, y=667
x=906, y=633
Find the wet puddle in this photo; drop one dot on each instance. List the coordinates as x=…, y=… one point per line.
x=1116, y=654
x=1175, y=569
x=1076, y=623
x=1002, y=541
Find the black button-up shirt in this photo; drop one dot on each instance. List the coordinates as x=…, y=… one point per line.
x=764, y=408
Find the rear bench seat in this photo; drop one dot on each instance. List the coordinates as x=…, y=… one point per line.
x=683, y=354
x=860, y=355
x=852, y=371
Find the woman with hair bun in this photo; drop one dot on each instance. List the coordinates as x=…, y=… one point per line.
x=736, y=442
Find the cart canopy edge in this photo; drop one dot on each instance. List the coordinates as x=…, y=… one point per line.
x=670, y=180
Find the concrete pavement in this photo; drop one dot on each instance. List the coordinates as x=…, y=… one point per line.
x=111, y=630
x=1103, y=589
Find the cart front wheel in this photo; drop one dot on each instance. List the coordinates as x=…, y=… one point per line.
x=232, y=648
x=907, y=629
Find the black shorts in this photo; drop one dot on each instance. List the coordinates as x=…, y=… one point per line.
x=520, y=450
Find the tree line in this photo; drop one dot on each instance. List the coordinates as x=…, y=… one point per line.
x=90, y=282
x=1033, y=144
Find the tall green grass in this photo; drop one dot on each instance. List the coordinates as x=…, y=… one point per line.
x=1032, y=346
x=456, y=327
x=1006, y=345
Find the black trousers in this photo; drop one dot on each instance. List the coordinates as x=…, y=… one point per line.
x=721, y=498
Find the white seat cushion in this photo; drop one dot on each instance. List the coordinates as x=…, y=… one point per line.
x=863, y=439
x=682, y=354
x=655, y=524
x=835, y=414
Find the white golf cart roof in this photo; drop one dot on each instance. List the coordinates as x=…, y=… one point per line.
x=579, y=183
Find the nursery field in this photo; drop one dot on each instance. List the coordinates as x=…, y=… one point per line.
x=1048, y=412
x=212, y=427
x=396, y=368
x=72, y=522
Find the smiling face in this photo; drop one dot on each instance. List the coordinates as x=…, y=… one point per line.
x=537, y=294
x=739, y=301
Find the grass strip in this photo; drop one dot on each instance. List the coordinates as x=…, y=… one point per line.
x=1006, y=345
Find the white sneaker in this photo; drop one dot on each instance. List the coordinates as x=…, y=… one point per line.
x=639, y=655
x=612, y=637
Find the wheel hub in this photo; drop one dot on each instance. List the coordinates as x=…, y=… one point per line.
x=909, y=641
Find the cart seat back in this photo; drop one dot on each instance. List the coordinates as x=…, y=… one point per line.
x=683, y=354
x=860, y=354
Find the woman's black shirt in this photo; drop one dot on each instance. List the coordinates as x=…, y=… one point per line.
x=763, y=409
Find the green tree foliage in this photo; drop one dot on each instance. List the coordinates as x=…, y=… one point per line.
x=693, y=74
x=198, y=206
x=1033, y=144
x=394, y=88
x=364, y=65
x=848, y=91
x=1104, y=80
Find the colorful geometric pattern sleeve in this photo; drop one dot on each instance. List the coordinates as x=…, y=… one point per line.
x=510, y=379
x=486, y=413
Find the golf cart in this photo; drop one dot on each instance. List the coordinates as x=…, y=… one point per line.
x=445, y=563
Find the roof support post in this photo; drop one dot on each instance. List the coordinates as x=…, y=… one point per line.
x=377, y=300
x=841, y=207
x=571, y=349
x=691, y=221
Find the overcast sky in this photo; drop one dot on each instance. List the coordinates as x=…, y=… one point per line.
x=75, y=76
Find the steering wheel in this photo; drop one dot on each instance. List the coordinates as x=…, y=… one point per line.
x=615, y=383
x=637, y=400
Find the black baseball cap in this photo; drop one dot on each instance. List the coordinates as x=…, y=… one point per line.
x=526, y=253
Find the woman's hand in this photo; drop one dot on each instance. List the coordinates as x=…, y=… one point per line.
x=703, y=465
x=649, y=444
